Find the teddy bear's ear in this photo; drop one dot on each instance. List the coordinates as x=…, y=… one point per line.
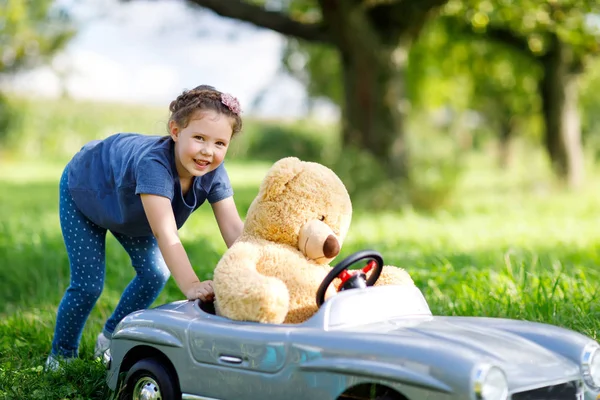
x=279, y=176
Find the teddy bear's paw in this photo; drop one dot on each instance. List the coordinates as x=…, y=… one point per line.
x=392, y=275
x=272, y=304
x=266, y=301
x=300, y=314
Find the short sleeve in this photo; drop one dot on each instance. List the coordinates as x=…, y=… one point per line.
x=153, y=177
x=221, y=186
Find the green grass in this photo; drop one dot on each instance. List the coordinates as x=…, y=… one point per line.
x=34, y=274
x=510, y=245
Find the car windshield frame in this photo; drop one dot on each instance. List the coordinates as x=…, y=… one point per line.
x=371, y=305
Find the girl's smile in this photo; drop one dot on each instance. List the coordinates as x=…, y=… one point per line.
x=201, y=146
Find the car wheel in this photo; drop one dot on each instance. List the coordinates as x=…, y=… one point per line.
x=148, y=379
x=371, y=392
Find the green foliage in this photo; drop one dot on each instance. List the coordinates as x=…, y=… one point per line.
x=58, y=129
x=437, y=166
x=317, y=66
x=271, y=141
x=496, y=81
x=363, y=177
x=444, y=52
x=50, y=128
x=536, y=21
x=474, y=73
x=435, y=170
x=31, y=32
x=590, y=105
x=494, y=73
x=6, y=114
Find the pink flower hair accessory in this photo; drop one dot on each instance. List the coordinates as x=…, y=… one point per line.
x=231, y=102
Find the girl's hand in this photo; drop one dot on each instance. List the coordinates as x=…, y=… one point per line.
x=201, y=290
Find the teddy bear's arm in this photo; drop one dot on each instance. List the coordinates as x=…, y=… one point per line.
x=242, y=293
x=302, y=278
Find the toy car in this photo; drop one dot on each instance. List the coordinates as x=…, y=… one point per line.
x=372, y=343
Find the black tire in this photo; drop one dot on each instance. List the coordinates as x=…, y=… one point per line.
x=371, y=392
x=149, y=374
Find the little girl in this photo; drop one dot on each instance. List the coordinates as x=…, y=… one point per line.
x=142, y=189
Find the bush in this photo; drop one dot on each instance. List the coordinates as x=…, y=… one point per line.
x=271, y=141
x=436, y=166
x=56, y=129
x=8, y=119
x=433, y=175
x=366, y=181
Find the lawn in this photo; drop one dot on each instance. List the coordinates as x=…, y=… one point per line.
x=509, y=245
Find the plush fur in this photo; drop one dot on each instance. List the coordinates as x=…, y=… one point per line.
x=294, y=228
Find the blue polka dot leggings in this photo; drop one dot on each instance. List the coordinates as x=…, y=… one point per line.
x=85, y=243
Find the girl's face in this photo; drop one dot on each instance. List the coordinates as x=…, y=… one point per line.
x=201, y=146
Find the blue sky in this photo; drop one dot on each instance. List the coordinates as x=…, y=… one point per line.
x=148, y=51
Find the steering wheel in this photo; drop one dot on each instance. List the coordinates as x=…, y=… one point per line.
x=356, y=280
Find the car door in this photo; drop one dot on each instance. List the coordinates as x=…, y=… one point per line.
x=238, y=360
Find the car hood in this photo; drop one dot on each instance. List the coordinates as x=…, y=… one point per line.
x=494, y=344
x=521, y=359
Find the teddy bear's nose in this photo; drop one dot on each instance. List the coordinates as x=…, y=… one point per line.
x=331, y=247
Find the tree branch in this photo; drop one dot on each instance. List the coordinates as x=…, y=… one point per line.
x=276, y=21
x=403, y=17
x=508, y=38
x=494, y=34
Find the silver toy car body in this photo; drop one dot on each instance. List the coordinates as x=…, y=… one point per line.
x=376, y=343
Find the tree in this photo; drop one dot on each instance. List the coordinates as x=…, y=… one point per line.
x=589, y=102
x=467, y=72
x=448, y=70
x=371, y=39
x=556, y=36
x=502, y=47
x=30, y=33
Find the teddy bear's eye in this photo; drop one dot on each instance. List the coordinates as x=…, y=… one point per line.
x=322, y=218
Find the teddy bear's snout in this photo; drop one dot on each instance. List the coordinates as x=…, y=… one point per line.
x=318, y=242
x=331, y=247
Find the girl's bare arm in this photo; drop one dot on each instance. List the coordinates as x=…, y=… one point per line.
x=228, y=219
x=162, y=222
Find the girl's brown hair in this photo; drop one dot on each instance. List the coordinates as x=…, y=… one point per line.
x=205, y=97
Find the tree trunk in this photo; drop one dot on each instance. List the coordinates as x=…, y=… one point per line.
x=559, y=93
x=373, y=38
x=507, y=128
x=373, y=45
x=373, y=116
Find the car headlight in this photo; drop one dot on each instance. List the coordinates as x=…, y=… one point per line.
x=489, y=383
x=590, y=365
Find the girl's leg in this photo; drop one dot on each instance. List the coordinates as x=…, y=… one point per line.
x=151, y=276
x=85, y=243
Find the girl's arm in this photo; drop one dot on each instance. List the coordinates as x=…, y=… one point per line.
x=162, y=222
x=228, y=219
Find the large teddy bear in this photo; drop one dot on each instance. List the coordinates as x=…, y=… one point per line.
x=294, y=228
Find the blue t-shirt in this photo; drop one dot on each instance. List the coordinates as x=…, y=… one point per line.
x=107, y=176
